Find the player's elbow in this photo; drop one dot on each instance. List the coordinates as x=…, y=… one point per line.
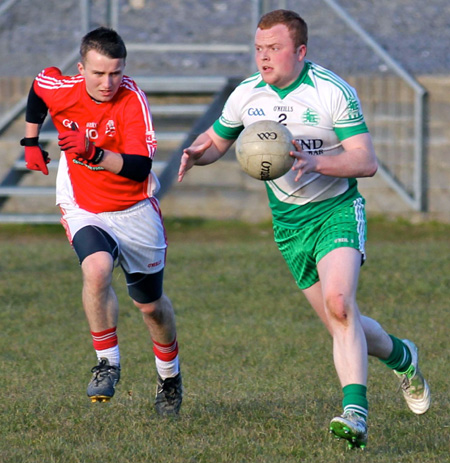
x=135, y=167
x=372, y=168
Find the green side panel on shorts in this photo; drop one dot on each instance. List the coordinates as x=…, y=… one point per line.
x=344, y=225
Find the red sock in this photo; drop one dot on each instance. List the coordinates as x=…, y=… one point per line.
x=166, y=359
x=166, y=352
x=104, y=339
x=106, y=345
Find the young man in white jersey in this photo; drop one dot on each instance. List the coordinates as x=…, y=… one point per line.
x=318, y=214
x=105, y=189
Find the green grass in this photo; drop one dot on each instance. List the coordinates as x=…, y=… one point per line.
x=260, y=385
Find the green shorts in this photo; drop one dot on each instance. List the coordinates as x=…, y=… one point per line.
x=302, y=249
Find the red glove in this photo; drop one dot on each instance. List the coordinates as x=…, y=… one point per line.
x=75, y=142
x=35, y=157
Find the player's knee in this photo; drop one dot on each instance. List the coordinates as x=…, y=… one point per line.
x=154, y=310
x=97, y=269
x=148, y=308
x=338, y=307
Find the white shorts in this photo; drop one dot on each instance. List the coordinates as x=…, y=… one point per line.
x=138, y=231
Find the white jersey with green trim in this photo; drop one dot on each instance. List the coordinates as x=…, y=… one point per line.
x=319, y=108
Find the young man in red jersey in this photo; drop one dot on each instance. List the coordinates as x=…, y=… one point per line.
x=105, y=189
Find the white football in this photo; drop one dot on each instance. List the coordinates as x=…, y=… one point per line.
x=262, y=150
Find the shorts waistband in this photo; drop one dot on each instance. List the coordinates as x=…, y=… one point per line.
x=144, y=203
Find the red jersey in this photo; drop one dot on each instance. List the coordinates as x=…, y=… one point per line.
x=122, y=125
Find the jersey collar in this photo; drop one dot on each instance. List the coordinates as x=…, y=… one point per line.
x=303, y=78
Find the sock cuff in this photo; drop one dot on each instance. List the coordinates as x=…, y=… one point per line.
x=355, y=399
x=400, y=357
x=166, y=352
x=105, y=339
x=164, y=346
x=359, y=389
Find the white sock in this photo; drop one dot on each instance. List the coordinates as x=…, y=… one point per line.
x=112, y=354
x=167, y=369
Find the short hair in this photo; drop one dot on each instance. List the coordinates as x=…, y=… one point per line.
x=105, y=41
x=296, y=25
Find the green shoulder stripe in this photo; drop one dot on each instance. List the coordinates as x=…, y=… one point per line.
x=229, y=133
x=347, y=132
x=329, y=76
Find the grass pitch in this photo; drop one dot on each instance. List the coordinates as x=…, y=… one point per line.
x=260, y=385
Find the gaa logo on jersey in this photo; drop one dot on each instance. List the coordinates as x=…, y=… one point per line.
x=255, y=112
x=110, y=130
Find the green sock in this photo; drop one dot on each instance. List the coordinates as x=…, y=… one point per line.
x=355, y=399
x=400, y=357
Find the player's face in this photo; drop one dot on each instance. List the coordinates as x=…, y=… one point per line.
x=103, y=75
x=277, y=60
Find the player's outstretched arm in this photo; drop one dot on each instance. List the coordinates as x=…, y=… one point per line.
x=192, y=154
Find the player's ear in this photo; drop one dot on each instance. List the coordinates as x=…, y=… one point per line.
x=301, y=52
x=80, y=68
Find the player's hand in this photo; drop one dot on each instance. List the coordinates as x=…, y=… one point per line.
x=35, y=157
x=76, y=143
x=190, y=156
x=304, y=163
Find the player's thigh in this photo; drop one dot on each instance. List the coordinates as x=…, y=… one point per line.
x=91, y=240
x=88, y=233
x=340, y=246
x=145, y=288
x=297, y=251
x=344, y=227
x=142, y=237
x=339, y=272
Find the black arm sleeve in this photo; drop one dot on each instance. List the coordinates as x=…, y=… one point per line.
x=36, y=108
x=135, y=167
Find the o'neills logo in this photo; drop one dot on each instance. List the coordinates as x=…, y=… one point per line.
x=265, y=170
x=154, y=264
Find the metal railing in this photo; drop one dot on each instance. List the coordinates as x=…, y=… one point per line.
x=411, y=188
x=409, y=182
